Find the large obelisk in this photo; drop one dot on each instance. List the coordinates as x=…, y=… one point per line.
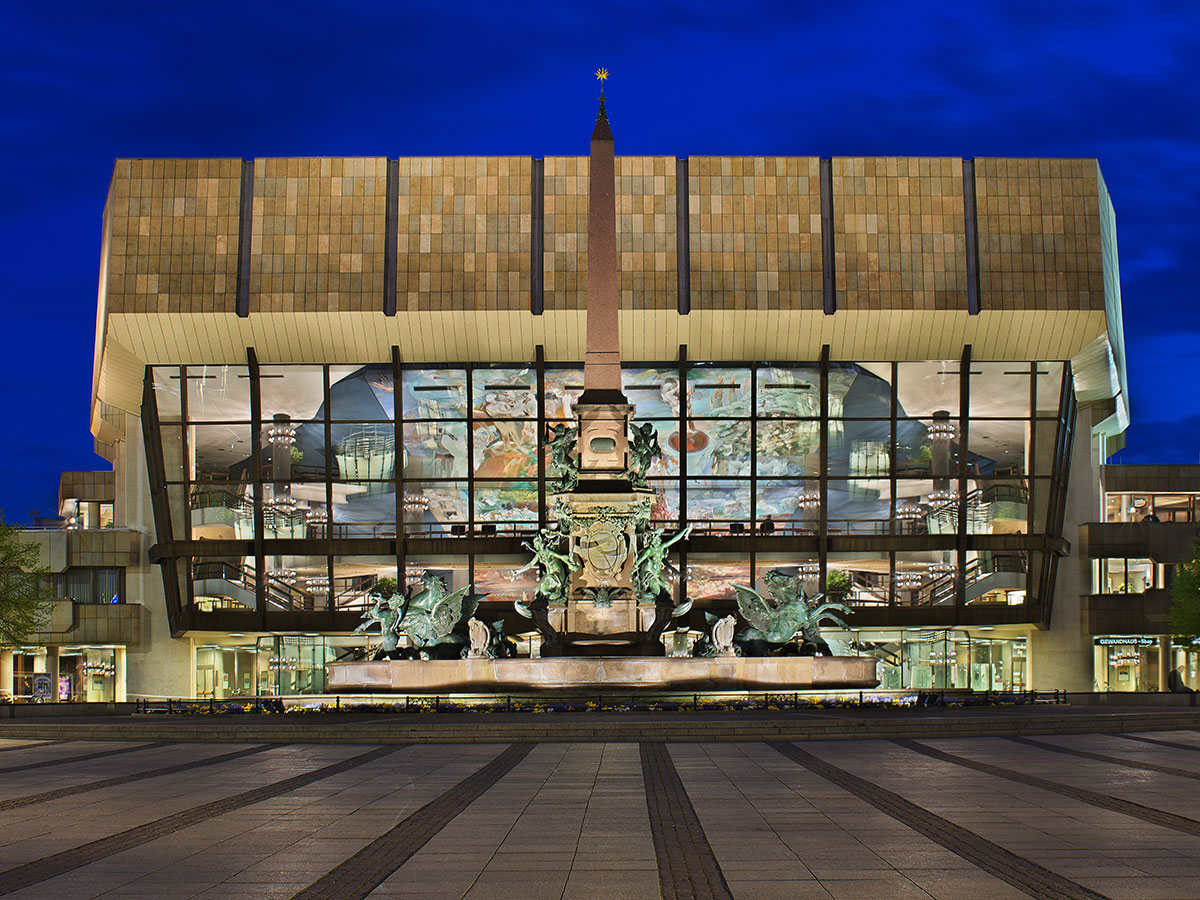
x=603, y=410
x=605, y=511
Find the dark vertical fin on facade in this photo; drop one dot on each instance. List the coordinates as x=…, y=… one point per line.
x=391, y=234
x=540, y=362
x=827, y=248
x=971, y=218
x=537, y=239
x=245, y=231
x=256, y=469
x=964, y=436
x=683, y=237
x=823, y=484
x=159, y=503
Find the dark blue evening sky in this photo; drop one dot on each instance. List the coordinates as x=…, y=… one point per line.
x=84, y=83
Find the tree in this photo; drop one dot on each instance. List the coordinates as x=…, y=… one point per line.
x=24, y=586
x=1184, y=614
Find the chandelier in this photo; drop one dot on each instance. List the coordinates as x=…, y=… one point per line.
x=908, y=511
x=942, y=430
x=909, y=580
x=283, y=504
x=809, y=500
x=281, y=434
x=285, y=576
x=942, y=497
x=939, y=569
x=416, y=503
x=317, y=584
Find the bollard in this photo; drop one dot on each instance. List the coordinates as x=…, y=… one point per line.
x=339, y=702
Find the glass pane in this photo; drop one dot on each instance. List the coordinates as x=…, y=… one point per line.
x=789, y=392
x=219, y=453
x=167, y=393
x=995, y=577
x=926, y=388
x=171, y=437
x=503, y=584
x=718, y=447
x=221, y=511
x=365, y=451
x=297, y=392
x=297, y=583
x=435, y=450
x=218, y=393
x=506, y=449
x=436, y=507
x=666, y=501
x=504, y=393
x=722, y=503
x=860, y=390
x=226, y=583
x=1049, y=387
x=507, y=507
x=789, y=448
x=858, y=579
x=860, y=447
x=713, y=579
x=859, y=506
x=793, y=506
x=654, y=392
x=928, y=447
x=999, y=389
x=362, y=393
x=563, y=387
x=364, y=509
x=998, y=447
x=718, y=391
x=435, y=393
x=355, y=577
x=914, y=507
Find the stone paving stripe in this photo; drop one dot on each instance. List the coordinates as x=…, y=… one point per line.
x=70, y=759
x=687, y=867
x=1145, y=740
x=359, y=875
x=1023, y=874
x=30, y=746
x=1093, y=798
x=1100, y=757
x=18, y=802
x=68, y=860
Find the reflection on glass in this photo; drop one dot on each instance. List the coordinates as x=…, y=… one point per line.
x=435, y=507
x=927, y=388
x=504, y=393
x=362, y=393
x=1000, y=389
x=563, y=387
x=218, y=452
x=713, y=579
x=167, y=393
x=435, y=450
x=218, y=394
x=364, y=451
x=1049, y=382
x=717, y=447
x=435, y=393
x=790, y=501
x=514, y=505
x=719, y=501
x=666, y=500
x=789, y=392
x=297, y=392
x=857, y=392
x=718, y=391
x=654, y=392
x=506, y=449
x=789, y=448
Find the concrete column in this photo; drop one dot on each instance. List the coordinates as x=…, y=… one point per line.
x=1164, y=662
x=6, y=673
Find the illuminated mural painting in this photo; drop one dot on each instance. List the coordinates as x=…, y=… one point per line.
x=563, y=389
x=505, y=584
x=506, y=449
x=714, y=580
x=434, y=393
x=515, y=501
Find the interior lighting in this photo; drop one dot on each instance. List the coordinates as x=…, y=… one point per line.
x=942, y=497
x=287, y=576
x=942, y=431
x=316, y=517
x=909, y=580
x=99, y=667
x=809, y=499
x=415, y=503
x=285, y=504
x=281, y=434
x=908, y=511
x=938, y=569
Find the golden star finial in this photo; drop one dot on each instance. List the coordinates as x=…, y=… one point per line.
x=602, y=76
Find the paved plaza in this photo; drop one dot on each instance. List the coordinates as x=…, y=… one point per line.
x=1063, y=816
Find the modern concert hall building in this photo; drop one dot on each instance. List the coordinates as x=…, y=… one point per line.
x=899, y=378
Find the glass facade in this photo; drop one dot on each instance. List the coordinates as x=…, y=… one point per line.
x=296, y=486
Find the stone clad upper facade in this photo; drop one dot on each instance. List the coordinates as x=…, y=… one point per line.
x=464, y=226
